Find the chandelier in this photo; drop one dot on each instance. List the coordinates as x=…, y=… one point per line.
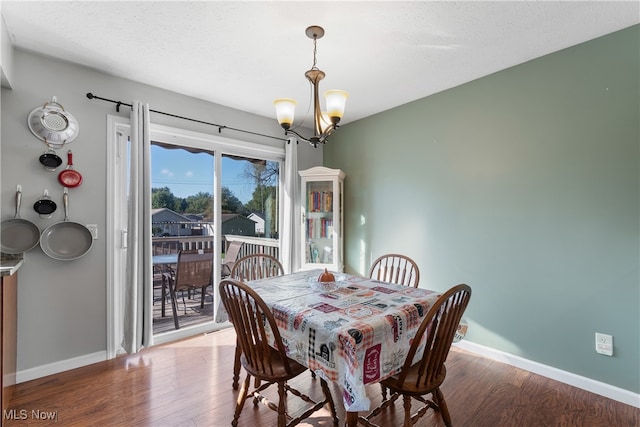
x=324, y=122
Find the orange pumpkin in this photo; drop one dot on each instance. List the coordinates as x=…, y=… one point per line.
x=326, y=277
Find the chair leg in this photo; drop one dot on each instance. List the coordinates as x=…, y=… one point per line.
x=407, y=411
x=174, y=307
x=442, y=404
x=383, y=389
x=204, y=288
x=282, y=408
x=329, y=399
x=242, y=397
x=236, y=367
x=164, y=295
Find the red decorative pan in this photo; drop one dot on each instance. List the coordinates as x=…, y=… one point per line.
x=70, y=177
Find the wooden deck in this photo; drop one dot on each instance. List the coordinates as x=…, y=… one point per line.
x=188, y=384
x=192, y=315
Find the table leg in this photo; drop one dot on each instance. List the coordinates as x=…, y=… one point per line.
x=352, y=419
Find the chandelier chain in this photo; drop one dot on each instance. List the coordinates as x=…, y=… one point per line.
x=315, y=51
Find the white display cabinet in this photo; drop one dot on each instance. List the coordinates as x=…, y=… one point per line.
x=322, y=218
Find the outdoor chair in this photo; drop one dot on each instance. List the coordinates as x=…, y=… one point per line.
x=433, y=338
x=256, y=328
x=252, y=267
x=231, y=254
x=162, y=247
x=395, y=268
x=194, y=270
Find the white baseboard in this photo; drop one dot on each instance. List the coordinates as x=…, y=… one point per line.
x=100, y=356
x=597, y=387
x=61, y=366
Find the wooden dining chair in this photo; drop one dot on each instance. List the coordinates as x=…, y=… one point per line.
x=194, y=270
x=252, y=267
x=264, y=356
x=395, y=268
x=256, y=266
x=398, y=269
x=416, y=380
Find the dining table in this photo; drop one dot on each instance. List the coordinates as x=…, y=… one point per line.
x=353, y=331
x=164, y=259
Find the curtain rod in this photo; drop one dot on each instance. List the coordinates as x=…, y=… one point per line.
x=220, y=127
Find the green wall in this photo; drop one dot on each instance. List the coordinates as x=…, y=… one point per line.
x=525, y=184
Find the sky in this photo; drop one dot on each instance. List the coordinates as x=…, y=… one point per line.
x=187, y=174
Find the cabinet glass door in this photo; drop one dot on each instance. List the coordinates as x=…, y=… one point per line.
x=319, y=223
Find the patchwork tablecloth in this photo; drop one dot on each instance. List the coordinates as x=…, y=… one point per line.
x=354, y=331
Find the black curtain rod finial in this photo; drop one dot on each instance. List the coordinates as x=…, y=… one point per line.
x=90, y=95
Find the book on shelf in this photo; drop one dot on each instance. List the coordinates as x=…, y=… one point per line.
x=319, y=228
x=321, y=201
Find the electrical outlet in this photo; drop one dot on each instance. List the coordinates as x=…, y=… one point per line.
x=604, y=344
x=93, y=228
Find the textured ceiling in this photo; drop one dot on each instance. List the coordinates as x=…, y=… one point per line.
x=245, y=54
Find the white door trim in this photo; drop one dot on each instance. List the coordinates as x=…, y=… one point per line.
x=118, y=131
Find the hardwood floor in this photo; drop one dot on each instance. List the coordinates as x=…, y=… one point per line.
x=188, y=383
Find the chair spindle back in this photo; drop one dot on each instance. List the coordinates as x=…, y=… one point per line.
x=395, y=268
x=256, y=266
x=255, y=327
x=436, y=336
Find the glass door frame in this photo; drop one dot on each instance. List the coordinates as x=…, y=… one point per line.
x=118, y=130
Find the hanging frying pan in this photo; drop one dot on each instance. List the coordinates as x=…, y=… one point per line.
x=18, y=235
x=45, y=206
x=52, y=124
x=50, y=160
x=66, y=240
x=70, y=177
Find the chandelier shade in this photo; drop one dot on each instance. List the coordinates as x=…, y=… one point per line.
x=335, y=100
x=285, y=111
x=324, y=121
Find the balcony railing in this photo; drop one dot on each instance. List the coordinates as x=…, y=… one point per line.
x=251, y=245
x=255, y=245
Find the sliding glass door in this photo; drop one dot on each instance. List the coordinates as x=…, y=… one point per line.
x=206, y=192
x=182, y=219
x=182, y=203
